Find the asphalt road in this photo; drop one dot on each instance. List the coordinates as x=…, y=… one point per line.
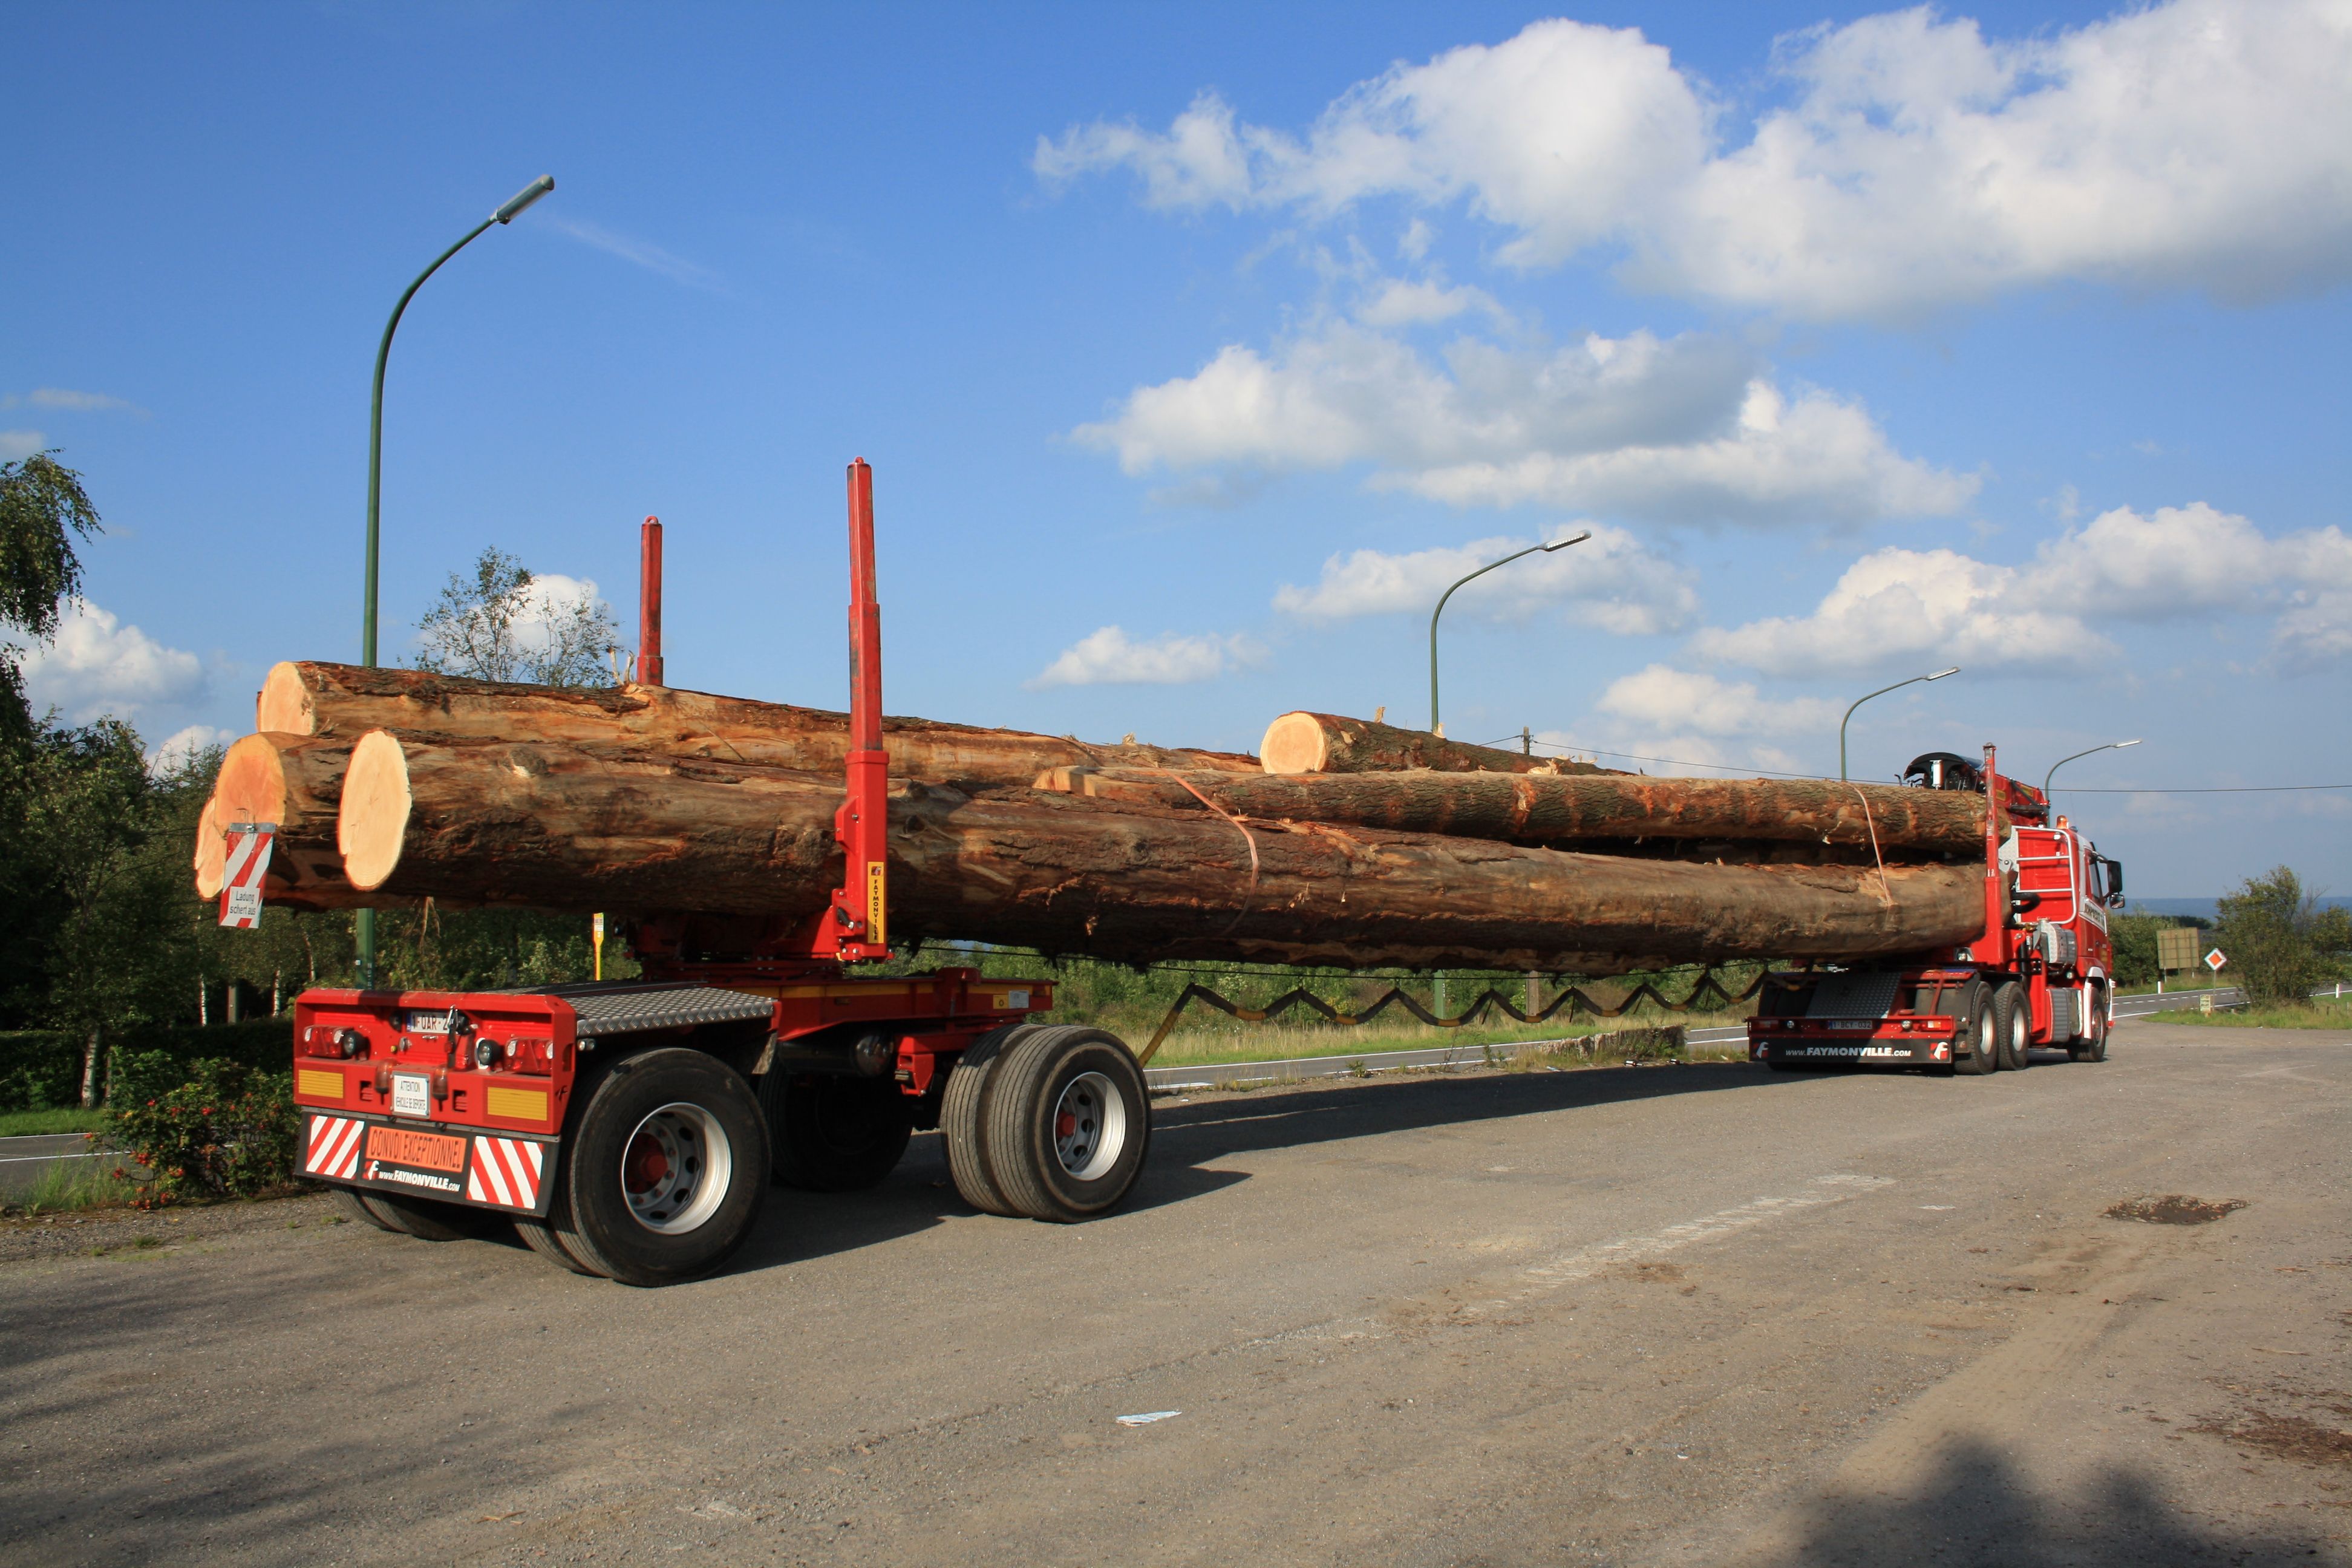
x=1665, y=1315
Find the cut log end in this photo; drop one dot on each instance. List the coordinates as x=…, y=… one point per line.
x=212, y=854
x=285, y=704
x=1294, y=743
x=373, y=817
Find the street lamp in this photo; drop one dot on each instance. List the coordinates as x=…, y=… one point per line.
x=1435, y=728
x=364, y=932
x=2094, y=750
x=1881, y=693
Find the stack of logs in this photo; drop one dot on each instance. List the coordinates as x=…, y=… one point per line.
x=1346, y=842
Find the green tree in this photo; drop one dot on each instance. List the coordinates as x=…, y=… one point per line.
x=43, y=509
x=503, y=624
x=2281, y=944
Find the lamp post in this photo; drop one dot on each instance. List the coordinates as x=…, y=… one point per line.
x=364, y=932
x=1435, y=727
x=2094, y=750
x=1881, y=693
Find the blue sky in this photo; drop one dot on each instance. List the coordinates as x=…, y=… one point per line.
x=1196, y=351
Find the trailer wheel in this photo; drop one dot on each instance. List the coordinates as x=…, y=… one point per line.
x=544, y=1237
x=828, y=1133
x=427, y=1219
x=666, y=1171
x=1976, y=1047
x=348, y=1203
x=1068, y=1124
x=2014, y=1024
x=963, y=1119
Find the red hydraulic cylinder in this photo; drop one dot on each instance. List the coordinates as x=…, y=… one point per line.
x=861, y=909
x=649, y=598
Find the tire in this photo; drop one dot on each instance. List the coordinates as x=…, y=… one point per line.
x=427, y=1219
x=963, y=1119
x=665, y=1171
x=348, y=1204
x=828, y=1133
x=544, y=1237
x=1976, y=1047
x=2013, y=1016
x=1068, y=1124
x=383, y=1214
x=2094, y=1039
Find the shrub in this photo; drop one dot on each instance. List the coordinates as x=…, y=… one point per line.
x=228, y=1131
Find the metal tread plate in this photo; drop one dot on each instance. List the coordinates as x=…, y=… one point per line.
x=1855, y=994
x=621, y=1010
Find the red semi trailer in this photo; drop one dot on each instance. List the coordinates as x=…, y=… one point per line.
x=2039, y=973
x=632, y=1130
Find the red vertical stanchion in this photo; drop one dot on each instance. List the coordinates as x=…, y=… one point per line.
x=861, y=908
x=649, y=598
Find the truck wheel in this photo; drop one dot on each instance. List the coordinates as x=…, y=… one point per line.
x=1068, y=1124
x=1976, y=1047
x=542, y=1237
x=427, y=1219
x=666, y=1171
x=963, y=1119
x=2013, y=1016
x=348, y=1203
x=2094, y=1047
x=834, y=1134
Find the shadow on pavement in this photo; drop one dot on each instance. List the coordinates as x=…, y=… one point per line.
x=1985, y=1511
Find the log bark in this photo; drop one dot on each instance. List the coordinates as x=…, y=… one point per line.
x=345, y=702
x=566, y=827
x=1542, y=808
x=1303, y=742
x=296, y=782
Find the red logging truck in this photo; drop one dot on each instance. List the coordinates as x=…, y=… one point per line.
x=2039, y=973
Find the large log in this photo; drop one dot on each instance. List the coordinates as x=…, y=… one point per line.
x=296, y=782
x=1303, y=742
x=346, y=701
x=567, y=828
x=1544, y=808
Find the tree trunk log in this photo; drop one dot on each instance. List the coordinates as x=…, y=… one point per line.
x=298, y=784
x=1328, y=743
x=345, y=702
x=566, y=828
x=1542, y=808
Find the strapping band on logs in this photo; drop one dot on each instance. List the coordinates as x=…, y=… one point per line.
x=1488, y=1000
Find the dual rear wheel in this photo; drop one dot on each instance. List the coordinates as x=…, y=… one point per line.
x=1050, y=1121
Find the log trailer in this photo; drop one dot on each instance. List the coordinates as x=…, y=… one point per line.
x=632, y=1130
x=2039, y=972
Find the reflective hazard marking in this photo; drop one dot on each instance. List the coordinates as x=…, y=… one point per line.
x=247, y=863
x=507, y=1172
x=332, y=1149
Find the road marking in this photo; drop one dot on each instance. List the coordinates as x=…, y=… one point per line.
x=1586, y=1262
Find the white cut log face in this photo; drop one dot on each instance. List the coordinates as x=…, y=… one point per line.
x=374, y=813
x=1294, y=743
x=211, y=853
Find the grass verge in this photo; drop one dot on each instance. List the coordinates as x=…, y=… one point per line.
x=34, y=1123
x=2329, y=1013
x=72, y=1184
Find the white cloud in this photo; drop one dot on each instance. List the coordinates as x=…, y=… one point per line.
x=638, y=252
x=2201, y=144
x=1609, y=581
x=15, y=444
x=182, y=745
x=2173, y=564
x=77, y=402
x=1660, y=700
x=95, y=666
x=1403, y=302
x=1681, y=429
x=1110, y=658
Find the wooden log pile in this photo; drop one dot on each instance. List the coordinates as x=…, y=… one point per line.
x=1348, y=843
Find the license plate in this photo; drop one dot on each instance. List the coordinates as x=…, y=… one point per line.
x=426, y=1023
x=1853, y=1023
x=412, y=1095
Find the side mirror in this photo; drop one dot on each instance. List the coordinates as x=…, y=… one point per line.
x=2115, y=882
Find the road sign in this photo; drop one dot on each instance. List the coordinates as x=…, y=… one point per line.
x=248, y=862
x=2176, y=947
x=2214, y=961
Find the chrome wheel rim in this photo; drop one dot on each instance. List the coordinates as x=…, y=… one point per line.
x=676, y=1168
x=1089, y=1126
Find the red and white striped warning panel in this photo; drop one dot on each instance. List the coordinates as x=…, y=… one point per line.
x=332, y=1150
x=507, y=1172
x=247, y=863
